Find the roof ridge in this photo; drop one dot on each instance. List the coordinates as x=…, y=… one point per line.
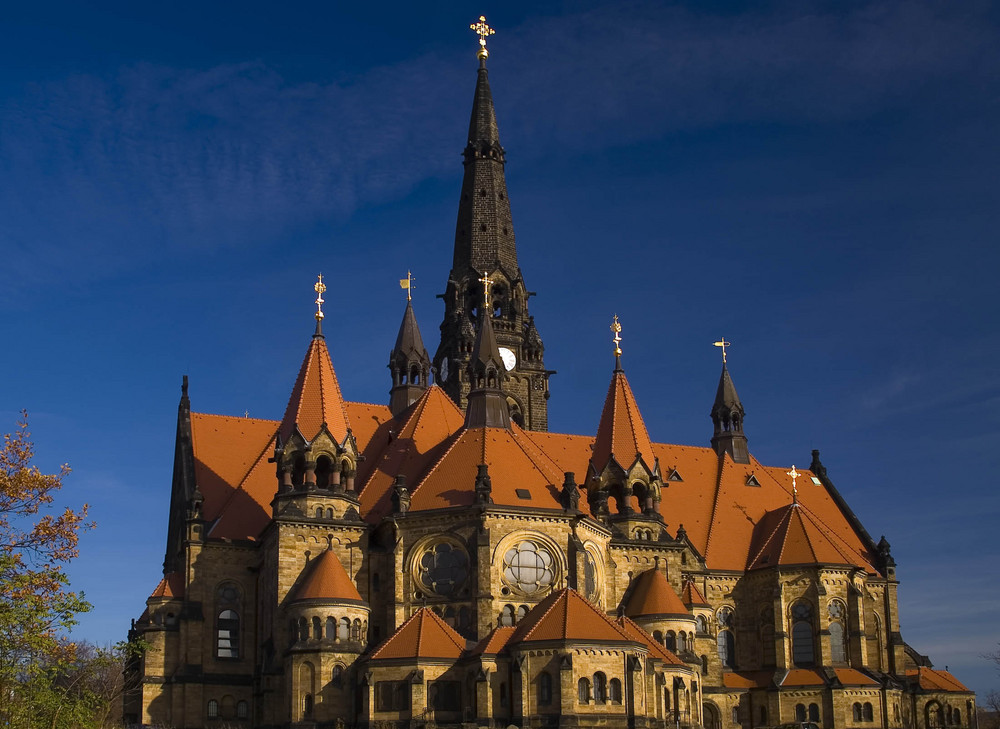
x=715, y=503
x=236, y=417
x=446, y=629
x=831, y=535
x=796, y=509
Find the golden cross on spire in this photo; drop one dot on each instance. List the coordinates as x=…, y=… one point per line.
x=795, y=492
x=486, y=281
x=484, y=31
x=723, y=343
x=320, y=287
x=617, y=339
x=407, y=283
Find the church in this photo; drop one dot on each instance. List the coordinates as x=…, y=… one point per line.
x=444, y=560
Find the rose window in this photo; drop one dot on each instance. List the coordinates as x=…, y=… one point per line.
x=529, y=567
x=442, y=569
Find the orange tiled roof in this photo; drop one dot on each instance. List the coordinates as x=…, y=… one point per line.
x=171, y=585
x=641, y=636
x=691, y=595
x=327, y=580
x=423, y=431
x=566, y=615
x=316, y=397
x=747, y=679
x=854, y=677
x=803, y=677
x=366, y=418
x=653, y=595
x=495, y=642
x=930, y=679
x=792, y=536
x=621, y=433
x=424, y=635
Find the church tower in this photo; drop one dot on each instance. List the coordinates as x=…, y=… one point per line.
x=484, y=247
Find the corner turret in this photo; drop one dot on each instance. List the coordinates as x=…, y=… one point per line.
x=727, y=420
x=409, y=364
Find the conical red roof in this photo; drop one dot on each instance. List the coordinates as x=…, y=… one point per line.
x=621, y=432
x=692, y=596
x=653, y=595
x=327, y=580
x=316, y=397
x=424, y=635
x=792, y=536
x=566, y=615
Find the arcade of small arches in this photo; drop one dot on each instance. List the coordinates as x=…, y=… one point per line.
x=331, y=628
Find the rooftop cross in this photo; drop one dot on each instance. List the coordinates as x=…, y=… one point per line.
x=484, y=31
x=795, y=492
x=723, y=343
x=407, y=283
x=320, y=287
x=616, y=327
x=486, y=281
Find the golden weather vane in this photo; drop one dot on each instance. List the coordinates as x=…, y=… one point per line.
x=407, y=283
x=483, y=31
x=320, y=287
x=486, y=281
x=795, y=492
x=616, y=327
x=723, y=343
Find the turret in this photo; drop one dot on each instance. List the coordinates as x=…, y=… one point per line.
x=409, y=362
x=487, y=404
x=727, y=420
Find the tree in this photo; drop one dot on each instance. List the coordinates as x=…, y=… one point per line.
x=37, y=606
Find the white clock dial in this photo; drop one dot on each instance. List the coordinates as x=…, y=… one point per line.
x=508, y=357
x=443, y=370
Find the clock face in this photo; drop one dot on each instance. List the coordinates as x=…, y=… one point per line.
x=443, y=370
x=508, y=357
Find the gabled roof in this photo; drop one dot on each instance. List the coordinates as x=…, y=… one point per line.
x=315, y=398
x=653, y=595
x=930, y=679
x=641, y=636
x=803, y=677
x=621, y=433
x=691, y=595
x=494, y=642
x=171, y=585
x=423, y=431
x=424, y=635
x=854, y=677
x=792, y=536
x=566, y=615
x=326, y=579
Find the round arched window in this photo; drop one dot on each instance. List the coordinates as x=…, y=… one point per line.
x=529, y=567
x=590, y=576
x=442, y=568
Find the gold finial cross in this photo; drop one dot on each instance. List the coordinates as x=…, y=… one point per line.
x=407, y=283
x=795, y=492
x=320, y=287
x=617, y=339
x=723, y=343
x=484, y=31
x=486, y=281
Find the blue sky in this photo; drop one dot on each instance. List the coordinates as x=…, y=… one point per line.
x=815, y=181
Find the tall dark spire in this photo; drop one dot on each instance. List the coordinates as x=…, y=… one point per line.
x=409, y=364
x=727, y=419
x=487, y=404
x=485, y=245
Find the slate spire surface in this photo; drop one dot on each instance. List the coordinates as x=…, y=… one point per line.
x=409, y=364
x=727, y=420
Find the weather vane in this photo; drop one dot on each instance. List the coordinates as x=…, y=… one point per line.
x=407, y=283
x=483, y=31
x=486, y=281
x=320, y=287
x=723, y=343
x=795, y=492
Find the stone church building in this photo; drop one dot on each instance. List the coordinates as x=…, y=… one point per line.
x=444, y=560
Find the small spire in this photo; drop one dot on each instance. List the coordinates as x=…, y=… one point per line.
x=616, y=327
x=407, y=283
x=723, y=343
x=319, y=288
x=484, y=31
x=795, y=492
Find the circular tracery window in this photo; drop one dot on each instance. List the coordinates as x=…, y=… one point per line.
x=442, y=568
x=528, y=567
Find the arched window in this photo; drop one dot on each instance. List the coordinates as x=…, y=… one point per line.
x=319, y=512
x=615, y=691
x=704, y=665
x=868, y=712
x=600, y=688
x=658, y=636
x=802, y=634
x=307, y=705
x=856, y=711
x=242, y=710
x=331, y=628
x=507, y=615
x=800, y=712
x=545, y=688
x=814, y=712
x=303, y=629
x=671, y=641
x=682, y=641
x=228, y=635
x=356, y=630
x=727, y=648
x=323, y=468
x=838, y=650
x=701, y=625
x=583, y=691
x=522, y=612
x=935, y=718
x=213, y=709
x=337, y=675
x=317, y=628
x=344, y=629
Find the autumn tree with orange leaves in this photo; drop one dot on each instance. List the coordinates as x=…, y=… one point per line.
x=37, y=606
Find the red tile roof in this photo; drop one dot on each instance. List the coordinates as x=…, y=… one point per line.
x=366, y=418
x=171, y=585
x=652, y=595
x=621, y=432
x=327, y=580
x=641, y=636
x=566, y=615
x=691, y=595
x=424, y=635
x=495, y=642
x=748, y=679
x=854, y=677
x=930, y=679
x=803, y=677
x=316, y=397
x=791, y=535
